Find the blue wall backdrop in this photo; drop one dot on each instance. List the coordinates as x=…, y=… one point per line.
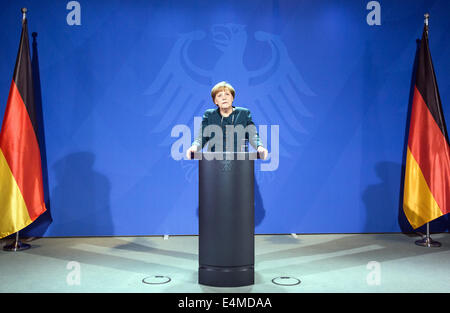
x=114, y=77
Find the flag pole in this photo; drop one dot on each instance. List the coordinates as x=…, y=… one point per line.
x=427, y=241
x=17, y=245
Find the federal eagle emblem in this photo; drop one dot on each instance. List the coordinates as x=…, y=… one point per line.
x=273, y=93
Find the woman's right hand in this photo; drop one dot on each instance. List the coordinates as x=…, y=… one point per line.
x=189, y=151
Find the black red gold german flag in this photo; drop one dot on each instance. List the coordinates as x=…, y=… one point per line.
x=427, y=173
x=21, y=188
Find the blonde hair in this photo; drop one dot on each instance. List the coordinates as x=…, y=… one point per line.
x=220, y=87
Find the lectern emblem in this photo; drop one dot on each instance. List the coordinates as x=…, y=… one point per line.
x=226, y=166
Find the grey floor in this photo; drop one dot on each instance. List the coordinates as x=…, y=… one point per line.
x=325, y=263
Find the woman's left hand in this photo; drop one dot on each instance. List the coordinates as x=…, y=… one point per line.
x=262, y=152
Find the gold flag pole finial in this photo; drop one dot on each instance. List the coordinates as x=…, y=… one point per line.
x=24, y=13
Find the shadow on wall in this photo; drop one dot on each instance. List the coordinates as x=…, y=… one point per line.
x=383, y=210
x=80, y=199
x=380, y=200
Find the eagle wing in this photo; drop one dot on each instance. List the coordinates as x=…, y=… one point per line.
x=180, y=89
x=277, y=91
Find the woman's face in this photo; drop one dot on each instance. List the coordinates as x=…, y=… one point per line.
x=224, y=99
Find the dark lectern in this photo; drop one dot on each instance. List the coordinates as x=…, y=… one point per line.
x=226, y=218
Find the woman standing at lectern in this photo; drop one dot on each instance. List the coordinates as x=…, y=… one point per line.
x=226, y=114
